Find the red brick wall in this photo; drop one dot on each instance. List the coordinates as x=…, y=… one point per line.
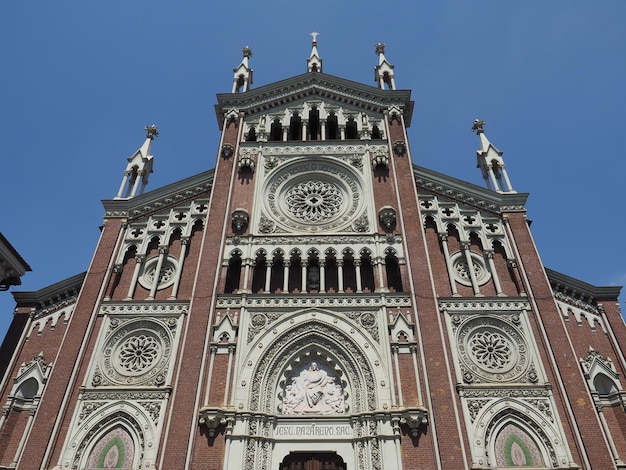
x=50, y=411
x=568, y=367
x=442, y=398
x=182, y=405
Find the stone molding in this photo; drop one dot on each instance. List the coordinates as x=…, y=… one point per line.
x=280, y=301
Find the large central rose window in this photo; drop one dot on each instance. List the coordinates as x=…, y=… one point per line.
x=312, y=195
x=314, y=201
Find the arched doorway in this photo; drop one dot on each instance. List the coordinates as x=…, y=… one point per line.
x=313, y=461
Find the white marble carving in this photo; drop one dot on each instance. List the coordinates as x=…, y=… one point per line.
x=313, y=391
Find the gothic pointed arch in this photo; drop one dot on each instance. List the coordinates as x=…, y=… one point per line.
x=514, y=440
x=120, y=434
x=296, y=349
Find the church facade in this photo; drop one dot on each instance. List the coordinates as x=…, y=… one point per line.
x=315, y=301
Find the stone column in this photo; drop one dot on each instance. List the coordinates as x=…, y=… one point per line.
x=322, y=263
x=184, y=243
x=465, y=246
x=163, y=250
x=139, y=260
x=446, y=254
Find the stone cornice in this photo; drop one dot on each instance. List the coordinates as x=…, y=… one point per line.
x=149, y=307
x=51, y=295
x=170, y=195
x=498, y=304
x=429, y=181
x=281, y=301
x=572, y=288
x=319, y=85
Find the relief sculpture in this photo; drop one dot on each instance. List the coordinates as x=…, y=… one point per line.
x=313, y=391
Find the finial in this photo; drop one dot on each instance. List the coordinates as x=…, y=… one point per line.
x=479, y=126
x=314, y=35
x=380, y=48
x=247, y=52
x=151, y=132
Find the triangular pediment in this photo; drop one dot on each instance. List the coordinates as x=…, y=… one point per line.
x=161, y=199
x=311, y=86
x=453, y=189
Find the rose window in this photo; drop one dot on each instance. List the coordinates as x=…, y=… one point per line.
x=490, y=349
x=138, y=353
x=314, y=201
x=461, y=270
x=167, y=274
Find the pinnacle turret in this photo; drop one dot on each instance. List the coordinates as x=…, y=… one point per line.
x=243, y=73
x=138, y=168
x=314, y=62
x=383, y=72
x=490, y=161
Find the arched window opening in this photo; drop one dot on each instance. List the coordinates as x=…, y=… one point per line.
x=331, y=271
x=476, y=242
x=278, y=272
x=332, y=127
x=394, y=276
x=251, y=136
x=153, y=246
x=387, y=81
x=367, y=273
x=240, y=83
x=376, y=132
x=453, y=232
x=233, y=274
x=604, y=385
x=313, y=274
x=314, y=124
x=349, y=273
x=28, y=390
x=276, y=131
x=351, y=129
x=131, y=180
x=295, y=127
x=258, y=275
x=295, y=273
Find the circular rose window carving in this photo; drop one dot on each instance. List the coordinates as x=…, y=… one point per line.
x=493, y=350
x=167, y=274
x=461, y=270
x=314, y=201
x=137, y=352
x=315, y=195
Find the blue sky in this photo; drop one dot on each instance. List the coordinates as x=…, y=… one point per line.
x=80, y=80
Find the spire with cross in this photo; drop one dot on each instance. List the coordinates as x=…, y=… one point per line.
x=314, y=62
